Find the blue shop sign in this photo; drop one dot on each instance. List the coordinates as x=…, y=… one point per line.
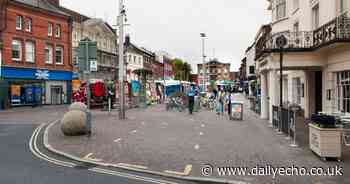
x=38, y=74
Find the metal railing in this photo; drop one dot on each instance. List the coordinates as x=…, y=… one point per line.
x=337, y=30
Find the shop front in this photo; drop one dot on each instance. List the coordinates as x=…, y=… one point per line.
x=28, y=86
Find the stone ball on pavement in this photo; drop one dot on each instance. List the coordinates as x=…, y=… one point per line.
x=77, y=106
x=73, y=123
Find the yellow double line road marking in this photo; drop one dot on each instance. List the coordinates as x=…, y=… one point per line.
x=34, y=149
x=186, y=172
x=131, y=176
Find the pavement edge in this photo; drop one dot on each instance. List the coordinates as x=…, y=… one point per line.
x=146, y=171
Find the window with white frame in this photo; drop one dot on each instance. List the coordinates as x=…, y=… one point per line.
x=297, y=90
x=48, y=54
x=29, y=25
x=16, y=50
x=316, y=16
x=278, y=9
x=50, y=29
x=59, y=55
x=58, y=31
x=19, y=22
x=30, y=52
x=342, y=91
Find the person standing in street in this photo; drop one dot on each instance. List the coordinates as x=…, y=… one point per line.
x=191, y=95
x=229, y=102
x=220, y=102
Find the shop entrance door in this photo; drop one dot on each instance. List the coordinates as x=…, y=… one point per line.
x=56, y=95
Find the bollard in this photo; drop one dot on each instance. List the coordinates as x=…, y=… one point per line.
x=88, y=123
x=294, y=108
x=279, y=129
x=109, y=105
x=288, y=137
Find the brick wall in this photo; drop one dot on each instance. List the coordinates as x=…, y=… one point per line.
x=38, y=35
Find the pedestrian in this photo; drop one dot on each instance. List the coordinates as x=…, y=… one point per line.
x=229, y=109
x=220, y=103
x=191, y=95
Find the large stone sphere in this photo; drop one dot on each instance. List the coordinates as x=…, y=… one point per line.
x=73, y=123
x=77, y=106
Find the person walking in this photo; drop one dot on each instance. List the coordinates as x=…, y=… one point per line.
x=191, y=95
x=220, y=103
x=229, y=102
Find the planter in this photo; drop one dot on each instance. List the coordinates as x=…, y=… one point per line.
x=325, y=142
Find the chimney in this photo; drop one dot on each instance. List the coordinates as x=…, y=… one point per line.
x=54, y=2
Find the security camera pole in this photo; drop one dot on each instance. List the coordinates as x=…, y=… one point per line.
x=121, y=61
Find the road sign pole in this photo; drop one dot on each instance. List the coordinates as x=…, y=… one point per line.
x=88, y=91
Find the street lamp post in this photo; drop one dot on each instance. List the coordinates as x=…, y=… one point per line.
x=203, y=36
x=121, y=61
x=281, y=41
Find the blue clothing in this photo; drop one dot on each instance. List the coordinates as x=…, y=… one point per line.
x=192, y=92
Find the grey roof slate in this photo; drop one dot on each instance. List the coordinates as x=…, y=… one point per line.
x=42, y=4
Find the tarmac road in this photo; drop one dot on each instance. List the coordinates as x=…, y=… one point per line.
x=19, y=165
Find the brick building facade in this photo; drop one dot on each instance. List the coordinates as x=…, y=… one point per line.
x=36, y=65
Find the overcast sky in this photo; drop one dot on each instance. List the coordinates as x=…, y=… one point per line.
x=174, y=25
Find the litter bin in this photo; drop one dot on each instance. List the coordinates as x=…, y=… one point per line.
x=237, y=110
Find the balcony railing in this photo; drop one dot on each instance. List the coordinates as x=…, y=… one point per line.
x=337, y=30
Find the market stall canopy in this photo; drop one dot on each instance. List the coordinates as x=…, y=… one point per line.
x=168, y=82
x=223, y=82
x=172, y=82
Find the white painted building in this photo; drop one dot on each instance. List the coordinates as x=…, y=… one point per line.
x=317, y=56
x=134, y=59
x=251, y=68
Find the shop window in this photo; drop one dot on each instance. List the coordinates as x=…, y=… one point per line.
x=50, y=29
x=30, y=52
x=18, y=22
x=26, y=93
x=16, y=50
x=59, y=55
x=48, y=54
x=58, y=31
x=29, y=25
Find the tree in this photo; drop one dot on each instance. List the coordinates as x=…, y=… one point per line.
x=182, y=70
